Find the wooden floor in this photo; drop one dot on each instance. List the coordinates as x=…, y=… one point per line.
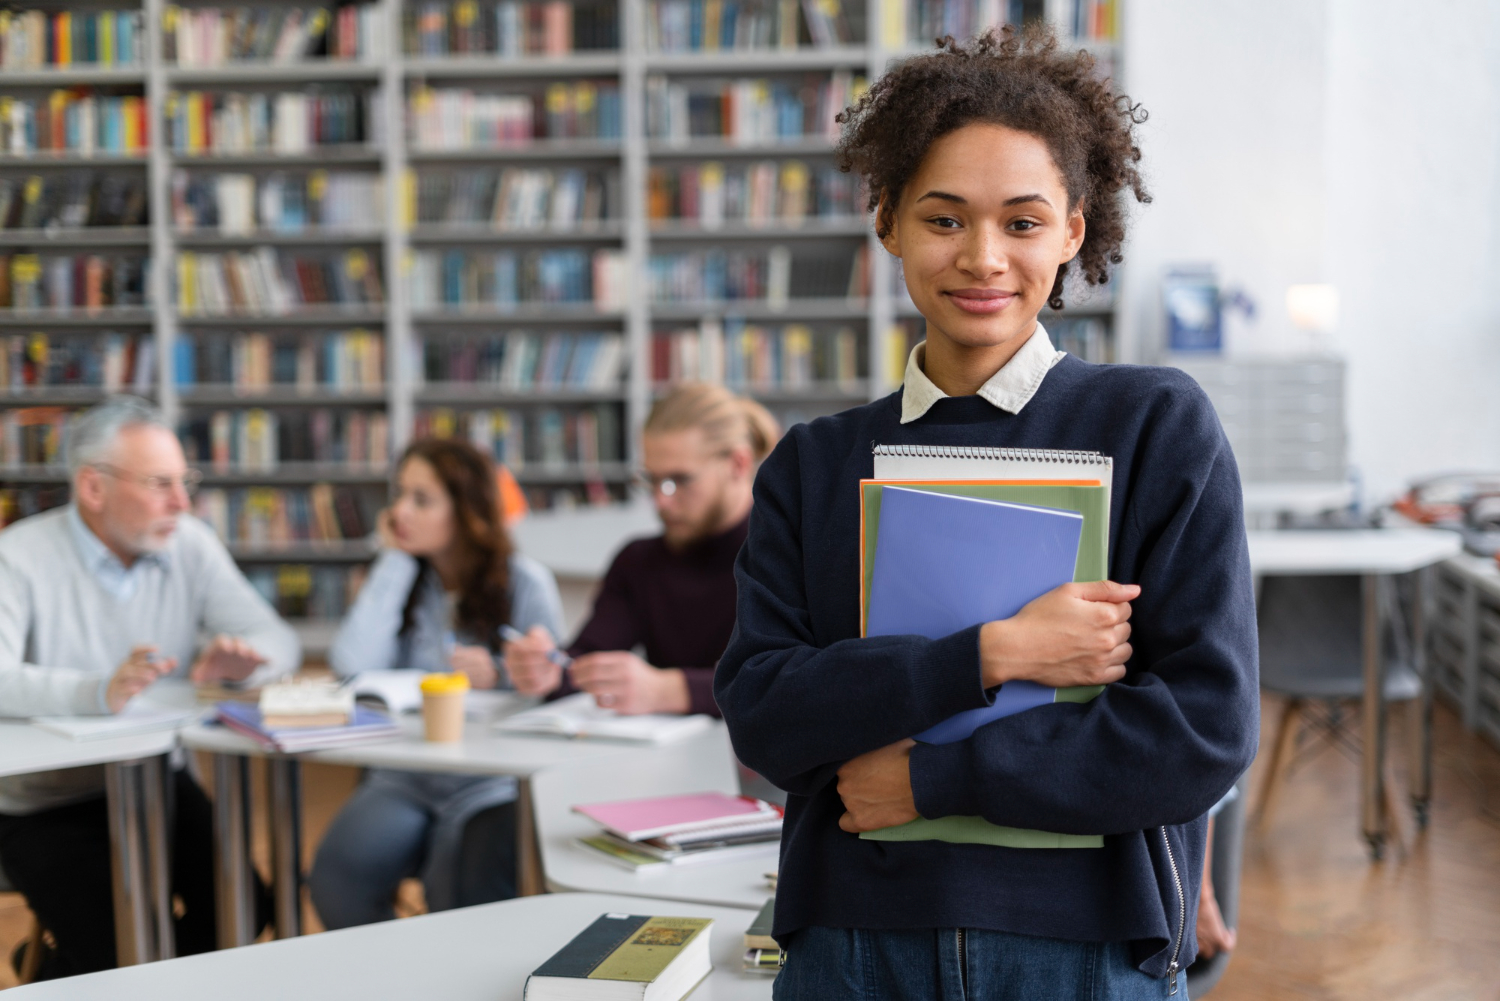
x=1318, y=919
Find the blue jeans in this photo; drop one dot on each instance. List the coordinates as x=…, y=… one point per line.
x=444, y=828
x=833, y=964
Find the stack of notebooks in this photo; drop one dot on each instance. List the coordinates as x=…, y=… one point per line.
x=956, y=537
x=762, y=952
x=364, y=726
x=645, y=834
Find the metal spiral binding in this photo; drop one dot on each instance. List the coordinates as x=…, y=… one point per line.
x=985, y=452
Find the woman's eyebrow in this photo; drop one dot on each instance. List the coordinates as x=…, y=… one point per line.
x=960, y=200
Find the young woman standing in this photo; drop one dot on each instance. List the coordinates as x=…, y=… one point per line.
x=996, y=169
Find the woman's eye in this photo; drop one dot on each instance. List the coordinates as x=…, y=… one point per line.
x=946, y=222
x=1023, y=225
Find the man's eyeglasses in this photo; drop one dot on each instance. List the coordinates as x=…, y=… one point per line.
x=667, y=485
x=189, y=480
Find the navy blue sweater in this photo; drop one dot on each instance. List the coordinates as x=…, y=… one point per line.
x=802, y=692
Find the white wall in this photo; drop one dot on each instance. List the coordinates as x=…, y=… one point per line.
x=1339, y=141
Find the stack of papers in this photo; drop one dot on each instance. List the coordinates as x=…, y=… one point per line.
x=678, y=830
x=579, y=716
x=135, y=718
x=367, y=726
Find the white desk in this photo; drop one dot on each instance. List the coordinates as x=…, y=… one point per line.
x=1376, y=555
x=473, y=954
x=136, y=783
x=704, y=763
x=482, y=752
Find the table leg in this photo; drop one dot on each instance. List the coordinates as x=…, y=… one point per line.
x=1372, y=786
x=286, y=843
x=232, y=882
x=1421, y=793
x=529, y=878
x=140, y=860
x=156, y=782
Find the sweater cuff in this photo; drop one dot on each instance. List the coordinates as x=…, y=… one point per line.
x=952, y=682
x=700, y=685
x=941, y=785
x=90, y=698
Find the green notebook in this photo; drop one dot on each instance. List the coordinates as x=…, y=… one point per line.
x=1091, y=501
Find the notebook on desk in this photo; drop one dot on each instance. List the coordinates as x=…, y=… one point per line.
x=578, y=715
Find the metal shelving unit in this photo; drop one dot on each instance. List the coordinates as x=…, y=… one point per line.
x=873, y=317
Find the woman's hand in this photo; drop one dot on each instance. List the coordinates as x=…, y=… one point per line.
x=476, y=662
x=1073, y=635
x=526, y=661
x=876, y=789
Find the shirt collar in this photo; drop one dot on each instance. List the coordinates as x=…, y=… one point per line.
x=98, y=557
x=1010, y=389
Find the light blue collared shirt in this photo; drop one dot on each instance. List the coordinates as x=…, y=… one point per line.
x=114, y=576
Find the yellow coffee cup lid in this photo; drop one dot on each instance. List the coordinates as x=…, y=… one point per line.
x=445, y=684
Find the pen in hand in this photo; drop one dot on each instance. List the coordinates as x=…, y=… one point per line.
x=511, y=634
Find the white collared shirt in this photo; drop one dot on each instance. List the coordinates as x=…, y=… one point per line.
x=113, y=575
x=1010, y=389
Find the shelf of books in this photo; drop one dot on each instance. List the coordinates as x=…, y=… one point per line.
x=313, y=231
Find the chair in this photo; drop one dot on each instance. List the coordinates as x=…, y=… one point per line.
x=28, y=970
x=1225, y=866
x=1310, y=653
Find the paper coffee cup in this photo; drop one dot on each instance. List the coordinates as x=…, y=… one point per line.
x=443, y=706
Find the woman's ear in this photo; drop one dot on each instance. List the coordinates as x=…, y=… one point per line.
x=1076, y=229
x=885, y=226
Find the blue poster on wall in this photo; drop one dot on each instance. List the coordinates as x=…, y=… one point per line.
x=1190, y=299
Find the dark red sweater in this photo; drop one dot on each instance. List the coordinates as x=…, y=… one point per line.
x=677, y=604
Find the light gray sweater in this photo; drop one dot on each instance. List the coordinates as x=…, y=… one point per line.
x=369, y=638
x=63, y=634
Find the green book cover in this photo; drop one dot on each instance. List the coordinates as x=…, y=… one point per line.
x=1089, y=500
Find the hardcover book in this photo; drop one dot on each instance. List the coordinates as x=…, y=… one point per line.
x=626, y=956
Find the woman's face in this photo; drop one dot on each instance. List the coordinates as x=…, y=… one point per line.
x=422, y=513
x=981, y=229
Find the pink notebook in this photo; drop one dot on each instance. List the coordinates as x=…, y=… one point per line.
x=638, y=819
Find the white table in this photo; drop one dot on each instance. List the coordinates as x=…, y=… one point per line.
x=137, y=791
x=472, y=954
x=1377, y=555
x=704, y=763
x=482, y=752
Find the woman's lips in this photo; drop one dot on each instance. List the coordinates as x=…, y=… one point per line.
x=981, y=300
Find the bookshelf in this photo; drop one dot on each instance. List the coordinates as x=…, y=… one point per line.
x=369, y=224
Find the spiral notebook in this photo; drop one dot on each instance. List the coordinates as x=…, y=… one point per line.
x=1074, y=482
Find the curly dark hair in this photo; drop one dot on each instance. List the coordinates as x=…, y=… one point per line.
x=1024, y=81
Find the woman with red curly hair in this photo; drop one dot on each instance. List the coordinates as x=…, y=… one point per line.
x=996, y=170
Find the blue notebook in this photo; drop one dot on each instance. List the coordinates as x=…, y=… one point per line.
x=945, y=562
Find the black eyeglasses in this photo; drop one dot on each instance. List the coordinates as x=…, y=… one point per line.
x=189, y=480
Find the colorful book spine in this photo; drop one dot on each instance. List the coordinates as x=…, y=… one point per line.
x=521, y=361
x=548, y=438
x=265, y=281
x=289, y=123
x=283, y=202
x=80, y=281
x=755, y=194
x=504, y=279
x=755, y=357
x=259, y=439
x=749, y=111
x=446, y=118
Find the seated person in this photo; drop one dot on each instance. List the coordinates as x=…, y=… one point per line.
x=671, y=595
x=98, y=600
x=445, y=582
